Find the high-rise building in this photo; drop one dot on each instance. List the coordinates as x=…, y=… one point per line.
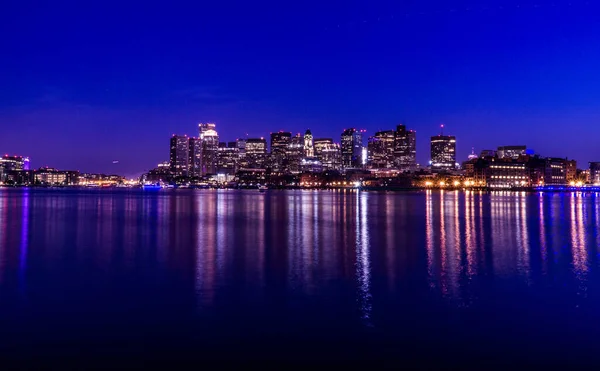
x=328, y=153
x=195, y=157
x=179, y=155
x=255, y=153
x=227, y=159
x=309, y=149
x=380, y=150
x=210, y=147
x=12, y=163
x=443, y=152
x=405, y=148
x=511, y=151
x=295, y=153
x=241, y=155
x=352, y=148
x=279, y=147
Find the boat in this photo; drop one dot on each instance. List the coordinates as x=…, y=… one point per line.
x=262, y=188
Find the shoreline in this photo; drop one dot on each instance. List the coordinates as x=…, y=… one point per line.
x=543, y=189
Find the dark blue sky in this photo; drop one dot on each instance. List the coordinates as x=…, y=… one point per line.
x=82, y=85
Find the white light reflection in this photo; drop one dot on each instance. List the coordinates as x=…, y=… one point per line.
x=578, y=241
x=24, y=239
x=363, y=265
x=3, y=211
x=429, y=236
x=543, y=243
x=522, y=235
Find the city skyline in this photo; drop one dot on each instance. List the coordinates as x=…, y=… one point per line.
x=69, y=102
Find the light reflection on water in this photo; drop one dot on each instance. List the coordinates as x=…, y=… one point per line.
x=298, y=257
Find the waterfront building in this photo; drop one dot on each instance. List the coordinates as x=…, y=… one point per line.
x=295, y=154
x=54, y=177
x=405, y=148
x=571, y=171
x=280, y=142
x=195, y=157
x=443, y=152
x=328, y=153
x=179, y=155
x=380, y=150
x=594, y=173
x=207, y=133
x=255, y=153
x=227, y=158
x=352, y=148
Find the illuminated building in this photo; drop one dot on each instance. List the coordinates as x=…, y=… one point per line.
x=351, y=148
x=50, y=176
x=255, y=153
x=210, y=147
x=227, y=159
x=295, y=154
x=309, y=149
x=512, y=151
x=405, y=148
x=279, y=149
x=12, y=163
x=443, y=152
x=195, y=157
x=571, y=170
x=595, y=173
x=328, y=153
x=380, y=150
x=179, y=155
x=501, y=174
x=311, y=165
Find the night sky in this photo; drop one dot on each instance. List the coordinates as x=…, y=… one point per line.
x=82, y=85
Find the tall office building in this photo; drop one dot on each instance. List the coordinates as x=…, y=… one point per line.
x=210, y=147
x=195, y=157
x=443, y=152
x=309, y=149
x=255, y=153
x=279, y=147
x=380, y=150
x=179, y=155
x=328, y=153
x=295, y=153
x=227, y=158
x=352, y=148
x=405, y=148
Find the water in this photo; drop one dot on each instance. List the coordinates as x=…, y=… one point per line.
x=424, y=277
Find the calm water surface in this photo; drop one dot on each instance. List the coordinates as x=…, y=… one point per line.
x=300, y=274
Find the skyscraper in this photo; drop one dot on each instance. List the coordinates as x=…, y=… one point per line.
x=179, y=155
x=380, y=150
x=351, y=148
x=227, y=159
x=443, y=152
x=279, y=146
x=195, y=157
x=309, y=149
x=256, y=153
x=328, y=153
x=405, y=148
x=295, y=153
x=210, y=147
